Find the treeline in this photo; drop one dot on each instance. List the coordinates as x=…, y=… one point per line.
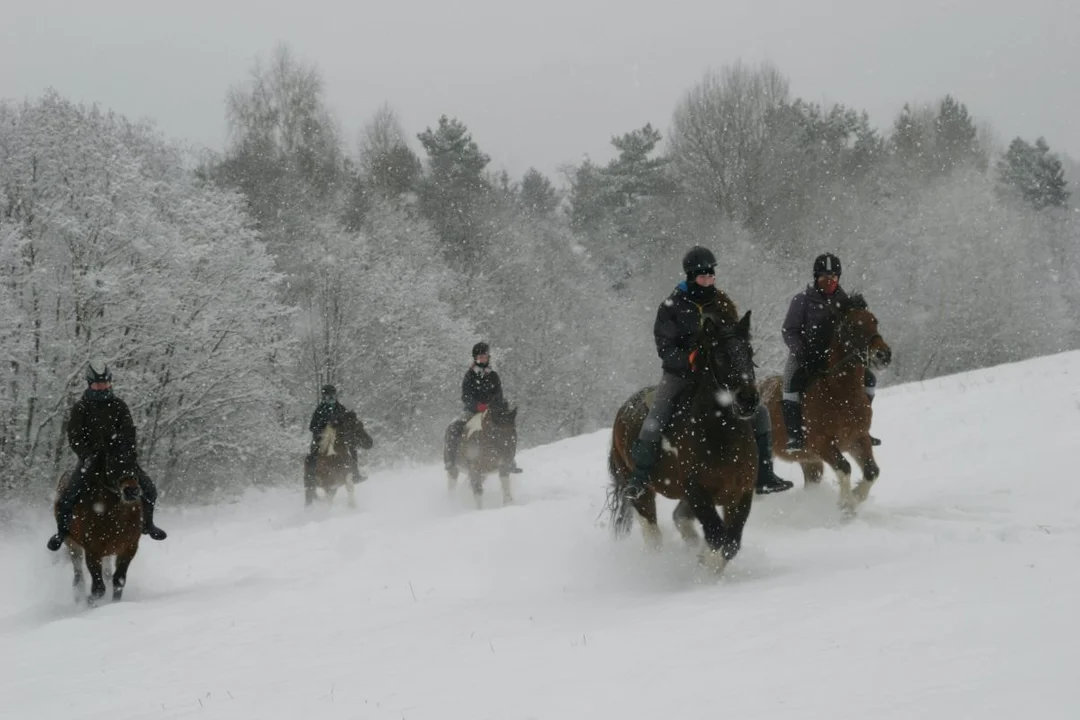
x=225, y=288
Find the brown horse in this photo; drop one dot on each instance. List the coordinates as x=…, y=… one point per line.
x=488, y=445
x=836, y=409
x=710, y=456
x=333, y=461
x=106, y=521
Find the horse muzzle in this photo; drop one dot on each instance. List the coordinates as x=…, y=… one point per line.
x=881, y=357
x=746, y=403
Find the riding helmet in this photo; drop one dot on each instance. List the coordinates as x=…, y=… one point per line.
x=480, y=348
x=826, y=263
x=93, y=376
x=698, y=260
x=329, y=391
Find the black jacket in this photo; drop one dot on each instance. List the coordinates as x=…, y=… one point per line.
x=480, y=386
x=101, y=422
x=325, y=414
x=677, y=322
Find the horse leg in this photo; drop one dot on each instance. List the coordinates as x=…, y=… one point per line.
x=504, y=480
x=97, y=583
x=75, y=552
x=350, y=487
x=119, y=579
x=684, y=523
x=713, y=556
x=735, y=516
x=842, y=468
x=646, y=510
x=813, y=471
x=476, y=482
x=863, y=452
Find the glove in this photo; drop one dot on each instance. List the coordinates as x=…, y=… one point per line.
x=693, y=360
x=481, y=407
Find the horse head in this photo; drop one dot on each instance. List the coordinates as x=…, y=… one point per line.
x=726, y=363
x=857, y=334
x=355, y=434
x=501, y=414
x=117, y=474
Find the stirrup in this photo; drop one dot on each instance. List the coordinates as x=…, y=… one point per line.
x=874, y=441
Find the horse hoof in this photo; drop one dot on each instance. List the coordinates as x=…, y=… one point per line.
x=862, y=491
x=713, y=561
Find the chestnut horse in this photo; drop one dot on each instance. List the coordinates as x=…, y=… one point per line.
x=836, y=408
x=488, y=445
x=106, y=521
x=709, y=456
x=333, y=461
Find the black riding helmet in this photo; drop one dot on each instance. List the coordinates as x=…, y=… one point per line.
x=698, y=260
x=329, y=392
x=480, y=348
x=826, y=264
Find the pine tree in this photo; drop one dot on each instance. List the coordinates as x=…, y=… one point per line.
x=1032, y=173
x=452, y=192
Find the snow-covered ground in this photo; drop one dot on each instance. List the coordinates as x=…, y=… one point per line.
x=953, y=594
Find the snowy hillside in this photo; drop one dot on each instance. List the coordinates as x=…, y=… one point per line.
x=953, y=594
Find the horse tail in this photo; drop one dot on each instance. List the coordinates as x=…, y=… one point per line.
x=618, y=506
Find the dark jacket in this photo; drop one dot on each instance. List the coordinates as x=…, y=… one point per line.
x=101, y=422
x=325, y=413
x=480, y=385
x=808, y=325
x=677, y=322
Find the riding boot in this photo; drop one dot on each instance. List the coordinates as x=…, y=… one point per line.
x=65, y=506
x=793, y=422
x=149, y=500
x=450, y=447
x=644, y=455
x=767, y=480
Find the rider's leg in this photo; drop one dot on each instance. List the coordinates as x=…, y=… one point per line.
x=646, y=448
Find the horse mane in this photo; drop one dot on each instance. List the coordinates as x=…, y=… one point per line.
x=855, y=301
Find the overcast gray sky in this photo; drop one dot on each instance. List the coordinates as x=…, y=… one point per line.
x=541, y=83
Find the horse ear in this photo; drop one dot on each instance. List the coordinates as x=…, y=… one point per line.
x=744, y=324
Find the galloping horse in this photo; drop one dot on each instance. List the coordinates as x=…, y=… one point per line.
x=489, y=445
x=710, y=454
x=836, y=409
x=333, y=461
x=106, y=520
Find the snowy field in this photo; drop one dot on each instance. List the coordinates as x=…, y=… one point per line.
x=954, y=593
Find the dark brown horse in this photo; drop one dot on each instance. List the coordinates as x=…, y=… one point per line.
x=106, y=521
x=836, y=409
x=488, y=445
x=709, y=455
x=333, y=461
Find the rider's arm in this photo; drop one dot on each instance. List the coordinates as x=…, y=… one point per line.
x=666, y=334
x=793, y=325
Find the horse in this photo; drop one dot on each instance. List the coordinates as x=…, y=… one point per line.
x=333, y=460
x=488, y=445
x=709, y=456
x=836, y=409
x=107, y=520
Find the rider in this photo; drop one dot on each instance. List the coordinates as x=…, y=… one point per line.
x=99, y=423
x=329, y=411
x=807, y=329
x=480, y=388
x=677, y=321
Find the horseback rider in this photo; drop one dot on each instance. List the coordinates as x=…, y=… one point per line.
x=100, y=426
x=480, y=388
x=677, y=321
x=328, y=412
x=807, y=330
